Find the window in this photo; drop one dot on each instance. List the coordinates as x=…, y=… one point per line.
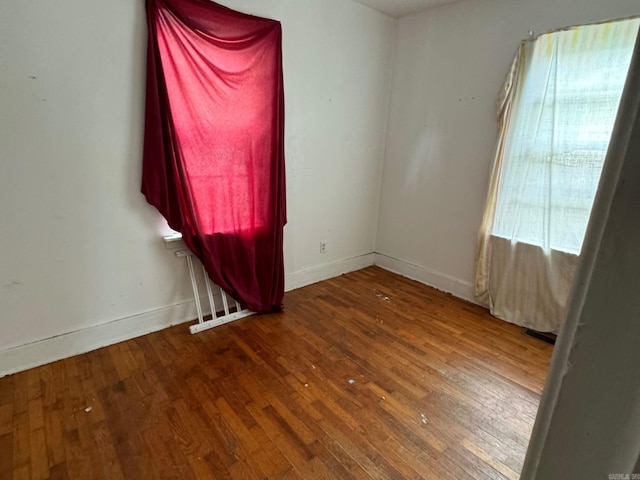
x=558, y=134
x=213, y=161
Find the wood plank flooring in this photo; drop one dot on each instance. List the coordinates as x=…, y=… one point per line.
x=365, y=376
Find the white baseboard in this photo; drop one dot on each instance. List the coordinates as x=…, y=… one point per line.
x=432, y=278
x=23, y=357
x=324, y=272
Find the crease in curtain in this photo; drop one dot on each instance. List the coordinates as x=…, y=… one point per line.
x=556, y=113
x=213, y=160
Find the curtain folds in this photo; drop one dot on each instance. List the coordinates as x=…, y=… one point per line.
x=556, y=113
x=213, y=161
x=483, y=251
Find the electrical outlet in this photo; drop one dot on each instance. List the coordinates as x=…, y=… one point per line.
x=323, y=246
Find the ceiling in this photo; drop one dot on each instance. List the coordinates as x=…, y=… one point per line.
x=400, y=8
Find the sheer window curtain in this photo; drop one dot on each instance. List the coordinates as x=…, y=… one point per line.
x=556, y=113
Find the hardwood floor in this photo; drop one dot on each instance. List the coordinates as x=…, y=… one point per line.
x=368, y=375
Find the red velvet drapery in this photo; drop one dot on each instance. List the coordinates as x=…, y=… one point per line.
x=213, y=160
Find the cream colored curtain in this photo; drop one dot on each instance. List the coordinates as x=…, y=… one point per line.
x=556, y=113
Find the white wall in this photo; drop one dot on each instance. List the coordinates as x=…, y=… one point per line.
x=79, y=247
x=449, y=66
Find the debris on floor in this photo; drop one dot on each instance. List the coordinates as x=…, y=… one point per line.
x=351, y=381
x=423, y=419
x=88, y=409
x=381, y=296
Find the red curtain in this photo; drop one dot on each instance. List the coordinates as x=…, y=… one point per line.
x=213, y=160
